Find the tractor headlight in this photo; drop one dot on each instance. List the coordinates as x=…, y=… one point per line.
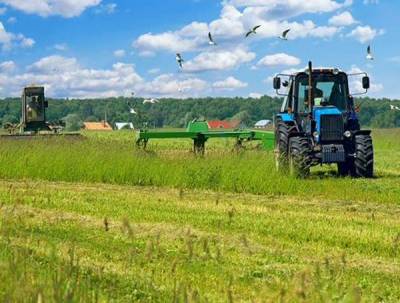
x=347, y=134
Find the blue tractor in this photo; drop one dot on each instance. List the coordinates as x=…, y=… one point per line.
x=318, y=124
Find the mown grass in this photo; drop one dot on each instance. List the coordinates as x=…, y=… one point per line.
x=167, y=226
x=123, y=243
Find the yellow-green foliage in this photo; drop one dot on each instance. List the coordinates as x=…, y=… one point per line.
x=224, y=228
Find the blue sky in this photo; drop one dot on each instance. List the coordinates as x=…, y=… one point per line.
x=102, y=48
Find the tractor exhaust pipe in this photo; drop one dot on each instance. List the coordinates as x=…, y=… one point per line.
x=310, y=86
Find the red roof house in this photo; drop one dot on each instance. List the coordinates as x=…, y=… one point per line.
x=223, y=124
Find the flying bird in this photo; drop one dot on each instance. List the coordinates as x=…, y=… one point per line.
x=151, y=101
x=284, y=35
x=180, y=60
x=211, y=40
x=253, y=31
x=370, y=56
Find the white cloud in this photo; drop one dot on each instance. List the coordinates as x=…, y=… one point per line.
x=232, y=24
x=119, y=53
x=365, y=33
x=280, y=59
x=343, y=19
x=12, y=20
x=61, y=47
x=219, y=60
x=45, y=8
x=8, y=67
x=256, y=95
x=65, y=77
x=9, y=40
x=168, y=85
x=355, y=82
x=283, y=9
x=230, y=83
x=109, y=9
x=154, y=71
x=366, y=2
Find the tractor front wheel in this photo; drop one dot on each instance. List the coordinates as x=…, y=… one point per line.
x=364, y=160
x=299, y=157
x=282, y=133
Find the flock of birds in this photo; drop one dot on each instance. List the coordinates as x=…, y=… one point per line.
x=212, y=42
x=253, y=31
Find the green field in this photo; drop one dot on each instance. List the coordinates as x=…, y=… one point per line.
x=98, y=220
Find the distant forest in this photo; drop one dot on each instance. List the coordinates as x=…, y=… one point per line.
x=374, y=113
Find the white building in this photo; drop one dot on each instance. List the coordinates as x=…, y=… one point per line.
x=123, y=125
x=263, y=123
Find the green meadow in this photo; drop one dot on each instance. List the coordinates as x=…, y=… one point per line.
x=99, y=220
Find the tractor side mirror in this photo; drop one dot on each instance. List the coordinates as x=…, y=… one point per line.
x=366, y=82
x=277, y=83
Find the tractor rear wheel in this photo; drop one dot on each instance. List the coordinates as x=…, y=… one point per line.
x=299, y=157
x=364, y=161
x=282, y=133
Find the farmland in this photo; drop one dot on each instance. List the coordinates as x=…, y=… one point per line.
x=98, y=220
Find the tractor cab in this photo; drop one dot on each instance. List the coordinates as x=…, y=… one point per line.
x=34, y=107
x=318, y=111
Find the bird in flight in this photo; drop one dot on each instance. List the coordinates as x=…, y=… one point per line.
x=370, y=56
x=180, y=60
x=284, y=35
x=253, y=31
x=151, y=101
x=211, y=40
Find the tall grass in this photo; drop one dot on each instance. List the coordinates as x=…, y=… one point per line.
x=115, y=160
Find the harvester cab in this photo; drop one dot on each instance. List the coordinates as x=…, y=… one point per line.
x=318, y=124
x=34, y=107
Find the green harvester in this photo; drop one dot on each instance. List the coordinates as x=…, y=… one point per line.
x=200, y=133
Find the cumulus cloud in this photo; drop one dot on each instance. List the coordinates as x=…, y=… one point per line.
x=365, y=33
x=45, y=8
x=65, y=77
x=230, y=83
x=280, y=59
x=119, y=53
x=355, y=82
x=219, y=60
x=169, y=85
x=343, y=19
x=236, y=18
x=9, y=40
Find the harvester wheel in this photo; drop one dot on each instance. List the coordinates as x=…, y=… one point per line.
x=282, y=133
x=364, y=161
x=299, y=157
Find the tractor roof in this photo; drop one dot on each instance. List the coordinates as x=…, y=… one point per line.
x=315, y=70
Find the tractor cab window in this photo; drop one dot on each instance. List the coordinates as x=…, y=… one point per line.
x=34, y=108
x=329, y=90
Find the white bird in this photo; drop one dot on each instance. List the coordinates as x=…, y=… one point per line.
x=370, y=56
x=151, y=101
x=284, y=35
x=392, y=107
x=132, y=111
x=253, y=31
x=211, y=40
x=180, y=60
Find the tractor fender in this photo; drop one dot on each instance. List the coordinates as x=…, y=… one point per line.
x=362, y=132
x=297, y=134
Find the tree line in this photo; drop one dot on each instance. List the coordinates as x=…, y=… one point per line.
x=176, y=113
